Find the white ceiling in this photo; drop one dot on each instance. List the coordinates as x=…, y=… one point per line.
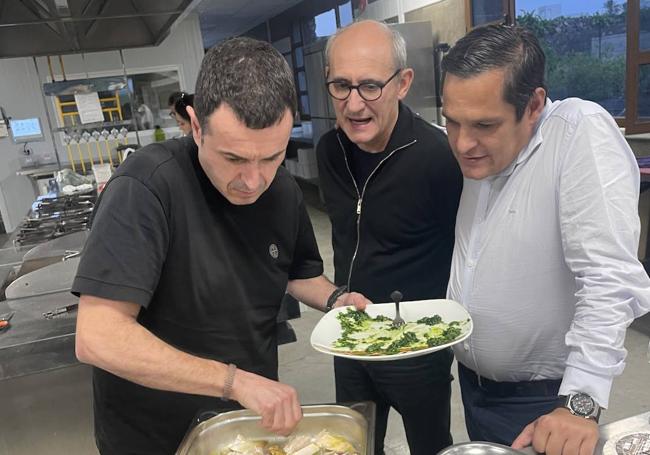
x=224, y=18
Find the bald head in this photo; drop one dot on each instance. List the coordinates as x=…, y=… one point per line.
x=385, y=41
x=366, y=69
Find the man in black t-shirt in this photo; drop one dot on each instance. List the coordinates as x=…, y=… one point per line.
x=391, y=186
x=193, y=244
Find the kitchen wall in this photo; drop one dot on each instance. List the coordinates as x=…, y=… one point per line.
x=20, y=89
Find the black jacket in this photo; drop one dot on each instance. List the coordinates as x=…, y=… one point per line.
x=398, y=234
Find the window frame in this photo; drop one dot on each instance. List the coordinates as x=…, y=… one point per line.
x=507, y=17
x=634, y=59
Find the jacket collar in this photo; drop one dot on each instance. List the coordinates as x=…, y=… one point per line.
x=402, y=132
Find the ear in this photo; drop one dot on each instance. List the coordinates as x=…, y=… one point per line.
x=196, y=126
x=405, y=81
x=536, y=104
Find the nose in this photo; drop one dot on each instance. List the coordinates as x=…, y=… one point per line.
x=251, y=176
x=465, y=141
x=355, y=102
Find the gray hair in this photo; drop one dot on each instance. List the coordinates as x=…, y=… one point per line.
x=397, y=40
x=251, y=77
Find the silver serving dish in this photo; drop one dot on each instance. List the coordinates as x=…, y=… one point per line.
x=480, y=448
x=356, y=423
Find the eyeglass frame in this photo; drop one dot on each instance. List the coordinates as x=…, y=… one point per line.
x=381, y=86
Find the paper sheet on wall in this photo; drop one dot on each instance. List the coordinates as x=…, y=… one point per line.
x=89, y=107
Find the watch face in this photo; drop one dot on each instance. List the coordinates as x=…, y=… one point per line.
x=582, y=404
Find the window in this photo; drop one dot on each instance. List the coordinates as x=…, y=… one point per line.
x=345, y=14
x=481, y=12
x=595, y=49
x=585, y=44
x=148, y=91
x=637, y=118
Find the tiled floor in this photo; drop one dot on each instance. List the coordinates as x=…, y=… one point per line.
x=51, y=413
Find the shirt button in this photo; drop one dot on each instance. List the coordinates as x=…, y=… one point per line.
x=466, y=346
x=471, y=264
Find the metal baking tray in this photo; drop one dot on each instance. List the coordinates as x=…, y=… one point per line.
x=356, y=422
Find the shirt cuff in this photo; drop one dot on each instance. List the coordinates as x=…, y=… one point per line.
x=83, y=285
x=596, y=386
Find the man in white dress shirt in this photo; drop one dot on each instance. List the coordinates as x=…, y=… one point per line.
x=545, y=258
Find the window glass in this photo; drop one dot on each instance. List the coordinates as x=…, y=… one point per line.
x=345, y=14
x=585, y=45
x=299, y=57
x=485, y=11
x=295, y=33
x=304, y=102
x=644, y=26
x=326, y=23
x=149, y=93
x=643, y=104
x=302, y=81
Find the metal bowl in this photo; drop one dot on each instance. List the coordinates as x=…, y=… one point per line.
x=479, y=448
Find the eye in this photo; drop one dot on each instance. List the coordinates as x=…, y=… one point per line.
x=340, y=85
x=484, y=126
x=370, y=87
x=234, y=159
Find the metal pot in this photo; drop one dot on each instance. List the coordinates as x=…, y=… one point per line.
x=356, y=422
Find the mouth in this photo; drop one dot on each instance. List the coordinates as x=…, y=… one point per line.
x=473, y=159
x=359, y=121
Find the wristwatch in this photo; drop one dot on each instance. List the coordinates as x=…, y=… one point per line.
x=582, y=405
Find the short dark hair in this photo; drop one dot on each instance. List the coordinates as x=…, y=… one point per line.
x=173, y=97
x=181, y=103
x=512, y=48
x=251, y=77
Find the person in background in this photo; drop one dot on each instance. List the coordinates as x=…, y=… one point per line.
x=194, y=242
x=545, y=258
x=178, y=103
x=391, y=187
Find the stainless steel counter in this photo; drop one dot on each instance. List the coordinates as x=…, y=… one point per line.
x=33, y=343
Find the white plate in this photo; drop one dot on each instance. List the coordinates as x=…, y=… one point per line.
x=328, y=329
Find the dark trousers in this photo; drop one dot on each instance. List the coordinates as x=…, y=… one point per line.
x=499, y=411
x=418, y=388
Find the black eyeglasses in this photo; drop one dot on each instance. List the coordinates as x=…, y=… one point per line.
x=369, y=91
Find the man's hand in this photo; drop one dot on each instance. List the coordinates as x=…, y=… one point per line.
x=559, y=433
x=353, y=299
x=277, y=403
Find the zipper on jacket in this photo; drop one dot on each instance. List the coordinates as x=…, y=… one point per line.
x=360, y=195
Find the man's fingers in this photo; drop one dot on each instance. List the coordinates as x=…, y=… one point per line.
x=589, y=445
x=540, y=435
x=555, y=444
x=525, y=438
x=573, y=446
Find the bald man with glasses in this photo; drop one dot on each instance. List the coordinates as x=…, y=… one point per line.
x=391, y=186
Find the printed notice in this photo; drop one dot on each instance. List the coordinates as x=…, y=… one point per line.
x=89, y=107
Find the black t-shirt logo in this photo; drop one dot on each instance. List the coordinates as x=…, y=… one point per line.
x=273, y=251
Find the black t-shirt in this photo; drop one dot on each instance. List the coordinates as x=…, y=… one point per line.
x=208, y=274
x=363, y=163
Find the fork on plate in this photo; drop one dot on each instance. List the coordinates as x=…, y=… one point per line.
x=397, y=320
